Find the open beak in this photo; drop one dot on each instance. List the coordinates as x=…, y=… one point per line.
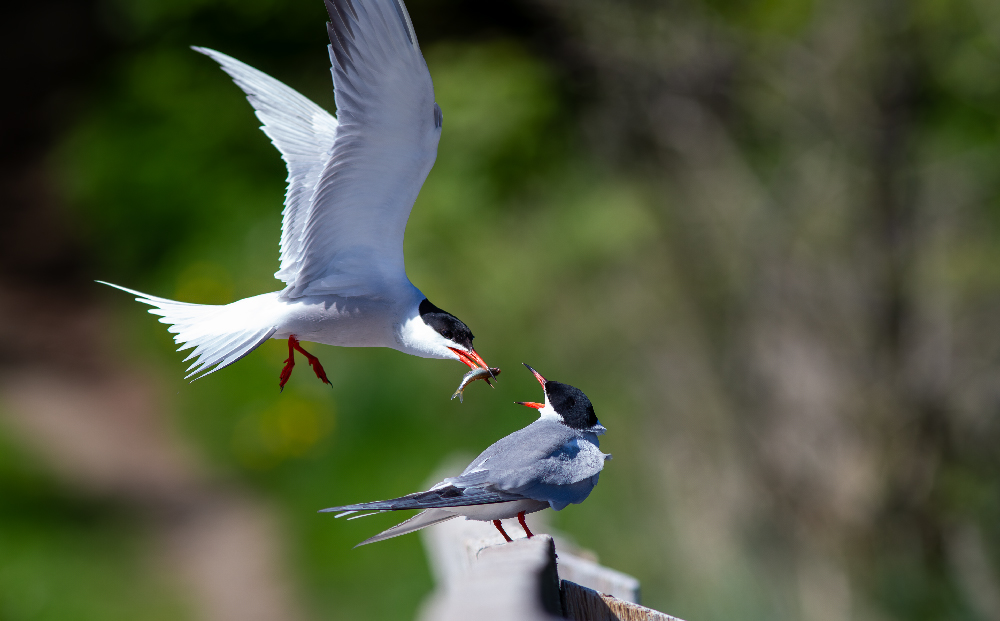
x=541, y=380
x=472, y=359
x=538, y=376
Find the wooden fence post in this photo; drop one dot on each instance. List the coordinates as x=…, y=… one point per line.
x=481, y=578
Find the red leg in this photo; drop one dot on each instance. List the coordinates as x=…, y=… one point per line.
x=502, y=531
x=520, y=518
x=289, y=364
x=313, y=360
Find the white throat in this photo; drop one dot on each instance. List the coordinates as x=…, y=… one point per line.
x=549, y=412
x=416, y=338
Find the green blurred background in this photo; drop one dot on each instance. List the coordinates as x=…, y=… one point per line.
x=763, y=237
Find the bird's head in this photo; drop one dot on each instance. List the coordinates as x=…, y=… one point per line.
x=443, y=335
x=565, y=403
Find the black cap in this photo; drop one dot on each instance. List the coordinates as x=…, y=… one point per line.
x=446, y=324
x=569, y=402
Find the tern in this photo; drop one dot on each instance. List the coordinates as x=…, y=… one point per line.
x=352, y=181
x=553, y=462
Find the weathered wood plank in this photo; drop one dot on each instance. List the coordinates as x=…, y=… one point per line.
x=515, y=581
x=597, y=577
x=583, y=604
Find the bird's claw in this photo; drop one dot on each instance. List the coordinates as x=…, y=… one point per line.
x=286, y=373
x=293, y=344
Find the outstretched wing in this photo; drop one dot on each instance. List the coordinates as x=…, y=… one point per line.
x=386, y=143
x=303, y=133
x=352, y=180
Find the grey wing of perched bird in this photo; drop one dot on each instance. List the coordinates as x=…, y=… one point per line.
x=545, y=461
x=441, y=495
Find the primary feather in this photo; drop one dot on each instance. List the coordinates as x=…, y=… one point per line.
x=386, y=143
x=302, y=132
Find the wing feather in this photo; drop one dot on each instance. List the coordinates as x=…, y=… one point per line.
x=352, y=180
x=302, y=132
x=545, y=461
x=441, y=497
x=385, y=146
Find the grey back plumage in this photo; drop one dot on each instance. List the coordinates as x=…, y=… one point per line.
x=545, y=461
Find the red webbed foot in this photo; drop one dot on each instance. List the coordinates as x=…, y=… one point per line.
x=286, y=372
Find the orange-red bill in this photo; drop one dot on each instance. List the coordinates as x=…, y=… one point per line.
x=531, y=404
x=470, y=358
x=538, y=376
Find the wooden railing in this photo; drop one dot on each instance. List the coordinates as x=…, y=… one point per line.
x=481, y=578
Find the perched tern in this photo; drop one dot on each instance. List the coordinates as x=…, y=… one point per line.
x=553, y=462
x=352, y=181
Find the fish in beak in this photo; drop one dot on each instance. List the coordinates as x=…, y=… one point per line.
x=472, y=359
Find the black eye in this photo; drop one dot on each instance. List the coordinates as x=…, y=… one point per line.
x=446, y=334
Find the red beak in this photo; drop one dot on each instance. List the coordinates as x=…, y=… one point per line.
x=538, y=376
x=541, y=380
x=470, y=358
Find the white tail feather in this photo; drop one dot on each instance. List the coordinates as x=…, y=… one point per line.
x=423, y=519
x=220, y=335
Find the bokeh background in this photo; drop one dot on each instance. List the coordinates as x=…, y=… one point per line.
x=764, y=237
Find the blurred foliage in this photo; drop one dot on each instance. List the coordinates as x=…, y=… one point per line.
x=66, y=556
x=761, y=236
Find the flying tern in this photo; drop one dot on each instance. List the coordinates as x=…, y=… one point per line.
x=352, y=181
x=553, y=462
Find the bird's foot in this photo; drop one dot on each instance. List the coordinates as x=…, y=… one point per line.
x=520, y=519
x=313, y=360
x=502, y=531
x=286, y=372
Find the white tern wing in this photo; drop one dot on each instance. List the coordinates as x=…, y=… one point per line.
x=386, y=143
x=303, y=133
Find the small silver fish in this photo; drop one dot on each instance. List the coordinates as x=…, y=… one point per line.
x=473, y=375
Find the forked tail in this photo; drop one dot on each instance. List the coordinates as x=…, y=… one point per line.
x=417, y=522
x=220, y=335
